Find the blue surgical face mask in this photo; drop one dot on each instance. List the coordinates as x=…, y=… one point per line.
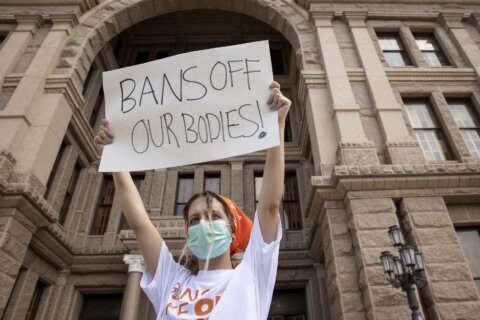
x=209, y=240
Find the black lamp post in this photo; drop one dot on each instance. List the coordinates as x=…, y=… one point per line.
x=404, y=271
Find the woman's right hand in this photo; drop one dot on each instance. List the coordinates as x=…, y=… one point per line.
x=104, y=136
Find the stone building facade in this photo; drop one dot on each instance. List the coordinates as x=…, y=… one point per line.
x=384, y=130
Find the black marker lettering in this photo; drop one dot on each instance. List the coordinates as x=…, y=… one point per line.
x=179, y=98
x=201, y=118
x=231, y=125
x=196, y=82
x=247, y=72
x=223, y=130
x=167, y=127
x=161, y=132
x=232, y=71
x=188, y=129
x=134, y=135
x=224, y=76
x=249, y=120
x=148, y=92
x=128, y=97
x=259, y=113
x=210, y=127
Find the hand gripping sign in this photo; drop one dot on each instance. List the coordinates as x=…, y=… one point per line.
x=190, y=108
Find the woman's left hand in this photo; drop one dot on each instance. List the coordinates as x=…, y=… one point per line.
x=277, y=101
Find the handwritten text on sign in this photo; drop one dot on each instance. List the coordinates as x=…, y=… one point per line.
x=190, y=108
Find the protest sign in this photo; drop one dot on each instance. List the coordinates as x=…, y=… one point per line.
x=190, y=108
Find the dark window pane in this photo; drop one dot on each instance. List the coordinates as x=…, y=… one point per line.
x=290, y=203
x=278, y=63
x=258, y=177
x=184, y=192
x=142, y=57
x=288, y=130
x=427, y=131
x=470, y=242
x=69, y=193
x=101, y=307
x=161, y=55
x=393, y=50
x=53, y=173
x=104, y=206
x=96, y=108
x=288, y=304
x=35, y=302
x=468, y=122
x=432, y=53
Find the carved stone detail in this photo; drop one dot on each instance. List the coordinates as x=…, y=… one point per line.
x=356, y=19
x=452, y=20
x=135, y=262
x=322, y=19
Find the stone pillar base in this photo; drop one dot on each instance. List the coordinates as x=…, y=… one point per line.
x=7, y=162
x=407, y=152
x=357, y=153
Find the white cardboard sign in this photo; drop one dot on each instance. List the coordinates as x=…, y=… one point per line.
x=190, y=108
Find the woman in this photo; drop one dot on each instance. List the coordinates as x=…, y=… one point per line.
x=213, y=225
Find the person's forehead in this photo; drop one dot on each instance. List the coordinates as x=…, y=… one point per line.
x=200, y=204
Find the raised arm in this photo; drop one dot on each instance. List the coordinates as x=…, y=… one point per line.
x=149, y=239
x=274, y=171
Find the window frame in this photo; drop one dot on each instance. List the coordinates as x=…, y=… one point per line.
x=182, y=175
x=475, y=119
x=437, y=128
x=404, y=54
x=438, y=49
x=107, y=183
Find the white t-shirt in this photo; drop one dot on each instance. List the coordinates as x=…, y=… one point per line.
x=242, y=293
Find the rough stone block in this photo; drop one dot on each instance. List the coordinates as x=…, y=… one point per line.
x=354, y=316
x=449, y=253
x=393, y=313
x=9, y=264
x=442, y=272
x=454, y=291
x=375, y=221
x=430, y=219
x=352, y=302
x=13, y=247
x=387, y=296
x=436, y=236
x=348, y=282
x=382, y=205
x=418, y=204
x=346, y=264
x=459, y=310
x=343, y=247
x=373, y=238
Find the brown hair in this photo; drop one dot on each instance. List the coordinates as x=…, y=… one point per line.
x=191, y=262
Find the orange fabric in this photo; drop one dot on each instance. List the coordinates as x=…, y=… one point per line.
x=243, y=227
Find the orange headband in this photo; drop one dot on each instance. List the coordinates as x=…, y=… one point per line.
x=243, y=226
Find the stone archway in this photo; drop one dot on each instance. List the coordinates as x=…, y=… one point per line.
x=101, y=25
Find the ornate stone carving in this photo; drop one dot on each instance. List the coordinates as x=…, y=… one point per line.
x=7, y=154
x=321, y=19
x=135, y=262
x=356, y=19
x=452, y=20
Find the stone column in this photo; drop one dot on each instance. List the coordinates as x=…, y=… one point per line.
x=21, y=296
x=354, y=147
x=237, y=183
x=452, y=22
x=15, y=234
x=17, y=42
x=313, y=93
x=400, y=146
x=32, y=136
x=131, y=295
x=157, y=192
x=451, y=292
x=368, y=221
x=344, y=296
x=57, y=303
x=320, y=273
